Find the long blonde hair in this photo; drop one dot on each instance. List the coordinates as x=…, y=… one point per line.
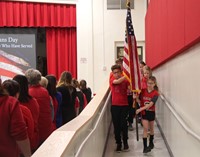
x=65, y=79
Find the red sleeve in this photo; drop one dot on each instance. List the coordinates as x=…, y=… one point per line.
x=17, y=125
x=77, y=105
x=111, y=79
x=85, y=101
x=28, y=118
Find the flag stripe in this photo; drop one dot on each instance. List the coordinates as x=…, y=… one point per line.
x=130, y=59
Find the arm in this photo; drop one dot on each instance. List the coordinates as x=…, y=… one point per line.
x=147, y=106
x=52, y=108
x=24, y=146
x=119, y=80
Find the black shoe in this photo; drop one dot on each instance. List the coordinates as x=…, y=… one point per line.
x=126, y=148
x=146, y=150
x=130, y=127
x=151, y=145
x=119, y=148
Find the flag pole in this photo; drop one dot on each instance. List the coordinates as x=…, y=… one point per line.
x=130, y=60
x=136, y=119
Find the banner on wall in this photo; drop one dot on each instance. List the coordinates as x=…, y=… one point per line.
x=17, y=54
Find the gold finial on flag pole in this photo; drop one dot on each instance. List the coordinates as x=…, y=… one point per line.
x=127, y=3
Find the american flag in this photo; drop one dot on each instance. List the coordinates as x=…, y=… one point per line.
x=11, y=65
x=130, y=59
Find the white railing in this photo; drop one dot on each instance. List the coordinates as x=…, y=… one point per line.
x=179, y=136
x=71, y=139
x=180, y=120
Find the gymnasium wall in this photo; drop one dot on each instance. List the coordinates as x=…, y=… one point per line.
x=172, y=50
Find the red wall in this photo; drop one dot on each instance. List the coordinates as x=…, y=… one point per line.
x=171, y=26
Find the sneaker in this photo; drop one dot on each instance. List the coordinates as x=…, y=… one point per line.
x=130, y=127
x=119, y=148
x=146, y=150
x=126, y=148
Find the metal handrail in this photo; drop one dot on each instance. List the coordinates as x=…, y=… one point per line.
x=180, y=120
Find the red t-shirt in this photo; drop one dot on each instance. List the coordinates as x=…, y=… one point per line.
x=45, y=120
x=119, y=93
x=147, y=97
x=144, y=82
x=13, y=127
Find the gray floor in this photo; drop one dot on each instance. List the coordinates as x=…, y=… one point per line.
x=136, y=147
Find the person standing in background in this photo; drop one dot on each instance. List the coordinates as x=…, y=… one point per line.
x=32, y=104
x=86, y=90
x=42, y=96
x=142, y=64
x=44, y=82
x=13, y=132
x=56, y=98
x=146, y=74
x=80, y=95
x=68, y=92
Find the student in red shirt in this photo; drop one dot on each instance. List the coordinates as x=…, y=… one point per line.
x=146, y=74
x=13, y=88
x=51, y=87
x=43, y=99
x=142, y=64
x=87, y=92
x=147, y=100
x=119, y=108
x=32, y=104
x=119, y=61
x=13, y=132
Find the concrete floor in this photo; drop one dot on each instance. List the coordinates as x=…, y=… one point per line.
x=136, y=147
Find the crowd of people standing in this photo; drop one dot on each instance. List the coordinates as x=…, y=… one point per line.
x=33, y=106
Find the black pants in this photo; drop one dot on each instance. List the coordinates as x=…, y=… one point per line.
x=131, y=113
x=119, y=118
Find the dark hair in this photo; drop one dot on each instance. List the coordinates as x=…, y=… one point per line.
x=119, y=60
x=12, y=87
x=51, y=86
x=83, y=84
x=143, y=63
x=116, y=66
x=153, y=78
x=3, y=92
x=23, y=93
x=75, y=83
